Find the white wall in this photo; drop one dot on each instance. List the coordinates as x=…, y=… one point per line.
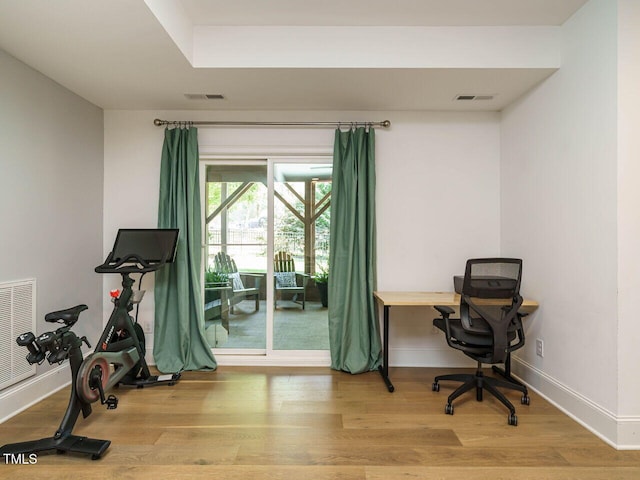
x=628, y=218
x=438, y=205
x=559, y=212
x=51, y=166
x=437, y=195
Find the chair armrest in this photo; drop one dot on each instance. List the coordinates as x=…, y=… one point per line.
x=305, y=278
x=219, y=288
x=444, y=310
x=257, y=278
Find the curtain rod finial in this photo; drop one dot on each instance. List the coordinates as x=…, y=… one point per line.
x=385, y=123
x=157, y=122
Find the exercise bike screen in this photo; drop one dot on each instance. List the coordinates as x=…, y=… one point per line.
x=152, y=245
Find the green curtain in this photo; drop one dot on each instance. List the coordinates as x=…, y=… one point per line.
x=179, y=342
x=354, y=334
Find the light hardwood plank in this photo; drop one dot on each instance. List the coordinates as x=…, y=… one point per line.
x=508, y=473
x=314, y=423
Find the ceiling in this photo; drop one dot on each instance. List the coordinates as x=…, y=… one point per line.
x=118, y=55
x=380, y=12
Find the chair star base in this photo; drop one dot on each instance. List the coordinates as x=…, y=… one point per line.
x=482, y=383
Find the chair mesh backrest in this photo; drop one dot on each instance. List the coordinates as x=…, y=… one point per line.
x=492, y=277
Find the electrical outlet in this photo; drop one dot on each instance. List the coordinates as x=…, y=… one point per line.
x=539, y=347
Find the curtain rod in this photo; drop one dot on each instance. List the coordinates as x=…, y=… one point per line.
x=157, y=122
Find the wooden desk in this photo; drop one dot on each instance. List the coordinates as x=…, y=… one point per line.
x=420, y=299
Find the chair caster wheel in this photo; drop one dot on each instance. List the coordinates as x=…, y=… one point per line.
x=512, y=420
x=435, y=387
x=525, y=400
x=448, y=409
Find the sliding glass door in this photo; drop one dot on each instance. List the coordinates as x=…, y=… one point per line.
x=266, y=248
x=302, y=194
x=236, y=256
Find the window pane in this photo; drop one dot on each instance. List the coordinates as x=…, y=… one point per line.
x=236, y=263
x=301, y=243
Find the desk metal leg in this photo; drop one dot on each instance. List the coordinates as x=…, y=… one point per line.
x=384, y=368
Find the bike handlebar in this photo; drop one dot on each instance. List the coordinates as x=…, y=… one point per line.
x=131, y=263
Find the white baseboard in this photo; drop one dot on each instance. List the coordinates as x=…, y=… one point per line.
x=622, y=433
x=29, y=392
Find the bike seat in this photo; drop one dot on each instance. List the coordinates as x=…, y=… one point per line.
x=69, y=315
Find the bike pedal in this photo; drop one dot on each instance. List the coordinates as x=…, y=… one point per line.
x=112, y=402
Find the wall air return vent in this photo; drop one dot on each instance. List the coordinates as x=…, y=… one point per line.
x=468, y=97
x=17, y=316
x=204, y=96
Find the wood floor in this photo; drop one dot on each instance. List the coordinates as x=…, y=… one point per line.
x=316, y=424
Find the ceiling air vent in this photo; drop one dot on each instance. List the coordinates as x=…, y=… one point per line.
x=473, y=97
x=204, y=96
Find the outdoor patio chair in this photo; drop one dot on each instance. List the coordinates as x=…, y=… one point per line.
x=225, y=264
x=287, y=280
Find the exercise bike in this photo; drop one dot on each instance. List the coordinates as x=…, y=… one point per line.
x=119, y=356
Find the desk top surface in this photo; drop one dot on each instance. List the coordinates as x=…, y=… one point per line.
x=429, y=299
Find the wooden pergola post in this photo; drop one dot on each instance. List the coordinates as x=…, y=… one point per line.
x=309, y=227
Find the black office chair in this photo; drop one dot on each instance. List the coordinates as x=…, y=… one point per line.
x=488, y=329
